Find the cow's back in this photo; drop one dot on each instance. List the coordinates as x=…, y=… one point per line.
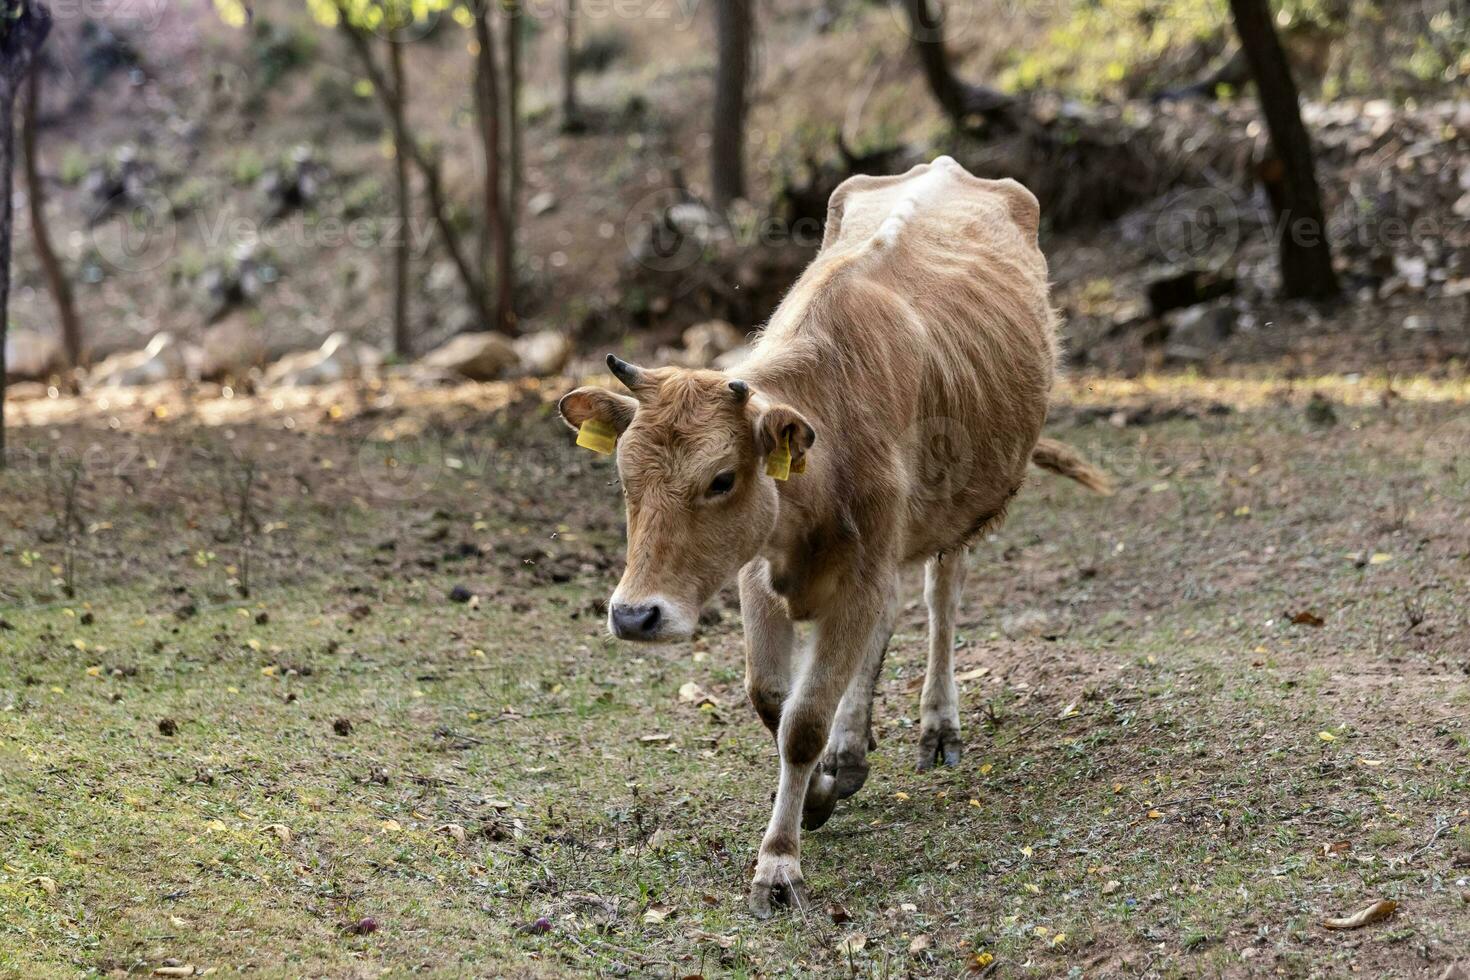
x=945, y=329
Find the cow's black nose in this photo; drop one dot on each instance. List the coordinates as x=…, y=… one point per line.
x=635, y=622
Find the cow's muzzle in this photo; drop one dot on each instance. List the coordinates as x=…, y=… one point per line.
x=647, y=621
x=640, y=622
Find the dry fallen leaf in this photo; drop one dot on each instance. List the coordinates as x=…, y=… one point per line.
x=1377, y=912
x=692, y=693
x=655, y=914
x=453, y=830
x=1337, y=847
x=920, y=943
x=853, y=944
x=1307, y=618
x=970, y=675
x=47, y=885
x=282, y=832
x=660, y=737
x=187, y=970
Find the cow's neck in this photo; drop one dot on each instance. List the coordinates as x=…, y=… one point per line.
x=814, y=530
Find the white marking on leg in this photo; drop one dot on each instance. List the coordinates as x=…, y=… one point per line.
x=939, y=710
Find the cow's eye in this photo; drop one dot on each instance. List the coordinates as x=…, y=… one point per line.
x=722, y=484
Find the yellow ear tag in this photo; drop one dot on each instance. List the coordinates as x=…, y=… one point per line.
x=597, y=436
x=779, y=464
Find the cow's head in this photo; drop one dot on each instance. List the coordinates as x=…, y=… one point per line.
x=692, y=448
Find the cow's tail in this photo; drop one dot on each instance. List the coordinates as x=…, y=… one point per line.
x=1062, y=459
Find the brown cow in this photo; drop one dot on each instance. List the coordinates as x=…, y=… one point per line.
x=902, y=386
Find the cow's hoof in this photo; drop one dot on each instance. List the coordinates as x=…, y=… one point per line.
x=849, y=773
x=942, y=745
x=821, y=800
x=779, y=884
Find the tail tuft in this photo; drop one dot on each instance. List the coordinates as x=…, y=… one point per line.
x=1062, y=459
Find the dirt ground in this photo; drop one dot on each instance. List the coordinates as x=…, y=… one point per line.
x=1200, y=716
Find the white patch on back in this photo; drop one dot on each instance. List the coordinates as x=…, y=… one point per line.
x=893, y=225
x=921, y=190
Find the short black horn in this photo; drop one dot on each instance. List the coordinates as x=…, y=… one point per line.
x=631, y=375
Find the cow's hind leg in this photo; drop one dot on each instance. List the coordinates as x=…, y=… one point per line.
x=939, y=707
x=844, y=766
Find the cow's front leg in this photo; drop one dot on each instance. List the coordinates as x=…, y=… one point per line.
x=939, y=705
x=770, y=638
x=844, y=767
x=841, y=641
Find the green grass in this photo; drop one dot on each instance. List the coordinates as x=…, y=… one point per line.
x=506, y=763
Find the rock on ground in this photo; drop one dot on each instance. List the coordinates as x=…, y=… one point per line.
x=230, y=349
x=1029, y=623
x=705, y=342
x=1176, y=290
x=161, y=360
x=338, y=359
x=1197, y=332
x=543, y=353
x=482, y=356
x=32, y=356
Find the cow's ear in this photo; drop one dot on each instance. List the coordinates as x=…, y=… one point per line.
x=592, y=404
x=780, y=426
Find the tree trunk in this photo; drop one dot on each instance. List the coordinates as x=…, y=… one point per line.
x=505, y=294
x=402, y=342
x=494, y=255
x=7, y=145
x=66, y=311
x=394, y=108
x=1306, y=258
x=571, y=113
x=23, y=29
x=487, y=111
x=962, y=102
x=734, y=34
